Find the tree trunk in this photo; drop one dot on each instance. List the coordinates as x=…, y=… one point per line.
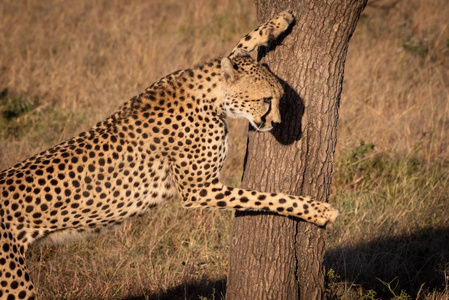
x=275, y=257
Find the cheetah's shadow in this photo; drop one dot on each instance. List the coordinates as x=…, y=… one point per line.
x=204, y=288
x=291, y=107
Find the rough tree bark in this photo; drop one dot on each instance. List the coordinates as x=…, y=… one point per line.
x=275, y=257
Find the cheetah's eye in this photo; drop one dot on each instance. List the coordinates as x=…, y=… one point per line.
x=267, y=100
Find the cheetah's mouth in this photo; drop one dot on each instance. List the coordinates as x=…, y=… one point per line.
x=261, y=127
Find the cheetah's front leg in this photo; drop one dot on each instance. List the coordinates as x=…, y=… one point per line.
x=15, y=281
x=219, y=196
x=262, y=35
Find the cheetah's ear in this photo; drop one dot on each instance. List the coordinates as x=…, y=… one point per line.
x=229, y=70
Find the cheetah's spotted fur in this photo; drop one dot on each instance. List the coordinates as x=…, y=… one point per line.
x=169, y=140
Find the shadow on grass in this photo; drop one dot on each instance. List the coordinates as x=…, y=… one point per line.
x=413, y=261
x=209, y=289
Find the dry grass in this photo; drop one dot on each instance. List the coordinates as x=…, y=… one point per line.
x=67, y=65
x=83, y=59
x=396, y=86
x=173, y=248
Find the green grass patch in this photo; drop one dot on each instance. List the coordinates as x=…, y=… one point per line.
x=42, y=125
x=14, y=107
x=394, y=227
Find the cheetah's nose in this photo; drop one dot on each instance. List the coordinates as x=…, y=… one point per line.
x=276, y=118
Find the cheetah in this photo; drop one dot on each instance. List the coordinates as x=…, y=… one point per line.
x=170, y=140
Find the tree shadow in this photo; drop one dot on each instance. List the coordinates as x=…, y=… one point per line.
x=204, y=288
x=419, y=260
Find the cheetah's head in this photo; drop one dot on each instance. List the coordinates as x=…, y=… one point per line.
x=251, y=91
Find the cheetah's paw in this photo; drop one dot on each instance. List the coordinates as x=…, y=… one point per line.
x=328, y=214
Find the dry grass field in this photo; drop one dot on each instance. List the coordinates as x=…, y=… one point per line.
x=64, y=65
